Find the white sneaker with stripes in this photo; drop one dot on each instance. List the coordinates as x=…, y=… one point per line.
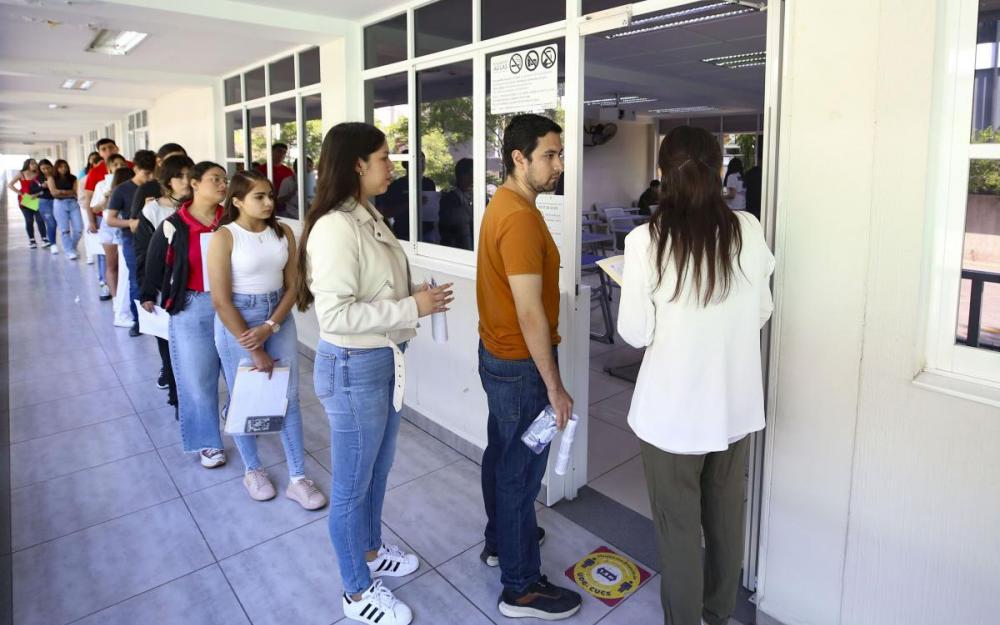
x=392, y=562
x=377, y=606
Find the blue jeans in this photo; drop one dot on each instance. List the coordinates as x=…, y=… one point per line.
x=282, y=347
x=70, y=222
x=196, y=368
x=102, y=262
x=128, y=251
x=512, y=473
x=46, y=209
x=355, y=386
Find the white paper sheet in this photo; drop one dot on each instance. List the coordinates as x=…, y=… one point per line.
x=205, y=238
x=92, y=243
x=156, y=323
x=258, y=404
x=614, y=267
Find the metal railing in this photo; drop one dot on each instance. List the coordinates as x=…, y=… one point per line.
x=979, y=280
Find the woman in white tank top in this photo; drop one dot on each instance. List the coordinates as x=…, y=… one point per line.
x=252, y=273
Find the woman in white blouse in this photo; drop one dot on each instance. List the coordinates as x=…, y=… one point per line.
x=695, y=294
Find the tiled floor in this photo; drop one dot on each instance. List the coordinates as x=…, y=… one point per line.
x=613, y=464
x=113, y=524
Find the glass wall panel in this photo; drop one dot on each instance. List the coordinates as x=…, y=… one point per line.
x=309, y=67
x=444, y=95
x=979, y=300
x=313, y=137
x=385, y=42
x=502, y=17
x=443, y=25
x=236, y=140
x=986, y=104
x=254, y=83
x=233, y=90
x=284, y=152
x=282, y=75
x=257, y=121
x=387, y=107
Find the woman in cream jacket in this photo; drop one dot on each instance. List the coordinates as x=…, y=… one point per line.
x=356, y=273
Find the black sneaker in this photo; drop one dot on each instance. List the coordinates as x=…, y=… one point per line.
x=492, y=558
x=32, y=245
x=161, y=382
x=541, y=600
x=134, y=332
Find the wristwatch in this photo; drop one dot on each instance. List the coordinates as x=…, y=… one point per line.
x=275, y=326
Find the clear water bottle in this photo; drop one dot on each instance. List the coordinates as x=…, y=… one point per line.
x=541, y=431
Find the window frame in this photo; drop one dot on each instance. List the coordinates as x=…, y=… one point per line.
x=298, y=93
x=951, y=150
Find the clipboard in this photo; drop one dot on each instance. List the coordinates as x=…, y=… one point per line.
x=614, y=266
x=258, y=404
x=29, y=202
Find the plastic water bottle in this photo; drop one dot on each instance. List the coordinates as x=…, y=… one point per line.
x=439, y=323
x=541, y=431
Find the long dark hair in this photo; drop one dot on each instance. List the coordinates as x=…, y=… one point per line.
x=90, y=161
x=735, y=167
x=171, y=168
x=121, y=175
x=337, y=180
x=693, y=225
x=56, y=175
x=239, y=185
x=41, y=174
x=26, y=166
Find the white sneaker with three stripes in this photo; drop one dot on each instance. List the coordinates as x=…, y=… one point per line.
x=392, y=562
x=377, y=606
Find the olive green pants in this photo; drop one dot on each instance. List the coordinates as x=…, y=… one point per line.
x=689, y=495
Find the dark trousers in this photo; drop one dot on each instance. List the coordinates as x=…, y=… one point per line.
x=30, y=219
x=128, y=251
x=168, y=371
x=512, y=473
x=691, y=494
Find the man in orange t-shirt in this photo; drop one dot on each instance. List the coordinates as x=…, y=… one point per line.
x=517, y=291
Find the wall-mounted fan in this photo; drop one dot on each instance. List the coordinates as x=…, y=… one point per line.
x=598, y=134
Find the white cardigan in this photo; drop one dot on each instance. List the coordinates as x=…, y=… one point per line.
x=360, y=278
x=700, y=386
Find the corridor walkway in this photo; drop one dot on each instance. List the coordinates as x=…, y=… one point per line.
x=112, y=524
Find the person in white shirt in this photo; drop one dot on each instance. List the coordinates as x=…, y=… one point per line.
x=107, y=263
x=356, y=272
x=735, y=191
x=695, y=294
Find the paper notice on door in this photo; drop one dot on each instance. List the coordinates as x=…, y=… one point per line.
x=525, y=80
x=258, y=403
x=551, y=206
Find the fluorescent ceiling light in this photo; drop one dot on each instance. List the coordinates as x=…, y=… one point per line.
x=625, y=99
x=684, y=109
x=78, y=84
x=738, y=61
x=115, y=42
x=675, y=19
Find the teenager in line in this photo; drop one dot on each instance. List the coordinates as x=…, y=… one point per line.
x=63, y=186
x=107, y=263
x=355, y=270
x=695, y=295
x=97, y=172
x=21, y=185
x=174, y=269
x=46, y=204
x=152, y=189
x=92, y=160
x=173, y=177
x=252, y=270
x=117, y=216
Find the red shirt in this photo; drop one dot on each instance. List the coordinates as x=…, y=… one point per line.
x=281, y=171
x=196, y=281
x=97, y=174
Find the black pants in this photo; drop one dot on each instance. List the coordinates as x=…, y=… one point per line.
x=30, y=218
x=168, y=370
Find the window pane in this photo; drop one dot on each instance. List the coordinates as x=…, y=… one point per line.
x=282, y=75
x=385, y=42
x=312, y=111
x=255, y=83
x=445, y=164
x=257, y=121
x=131, y=121
x=593, y=6
x=236, y=141
x=442, y=25
x=386, y=107
x=145, y=120
x=495, y=124
x=232, y=88
x=284, y=152
x=986, y=104
x=309, y=67
x=979, y=302
x=502, y=17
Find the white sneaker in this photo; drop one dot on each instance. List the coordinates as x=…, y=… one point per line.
x=54, y=250
x=377, y=606
x=105, y=293
x=392, y=562
x=72, y=255
x=90, y=259
x=211, y=458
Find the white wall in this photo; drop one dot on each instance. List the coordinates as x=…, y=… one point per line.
x=883, y=499
x=188, y=116
x=620, y=170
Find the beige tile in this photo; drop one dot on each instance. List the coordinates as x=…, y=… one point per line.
x=627, y=486
x=608, y=447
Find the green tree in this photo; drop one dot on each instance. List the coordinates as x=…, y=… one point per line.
x=984, y=175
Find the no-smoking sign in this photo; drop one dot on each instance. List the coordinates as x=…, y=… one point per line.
x=524, y=81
